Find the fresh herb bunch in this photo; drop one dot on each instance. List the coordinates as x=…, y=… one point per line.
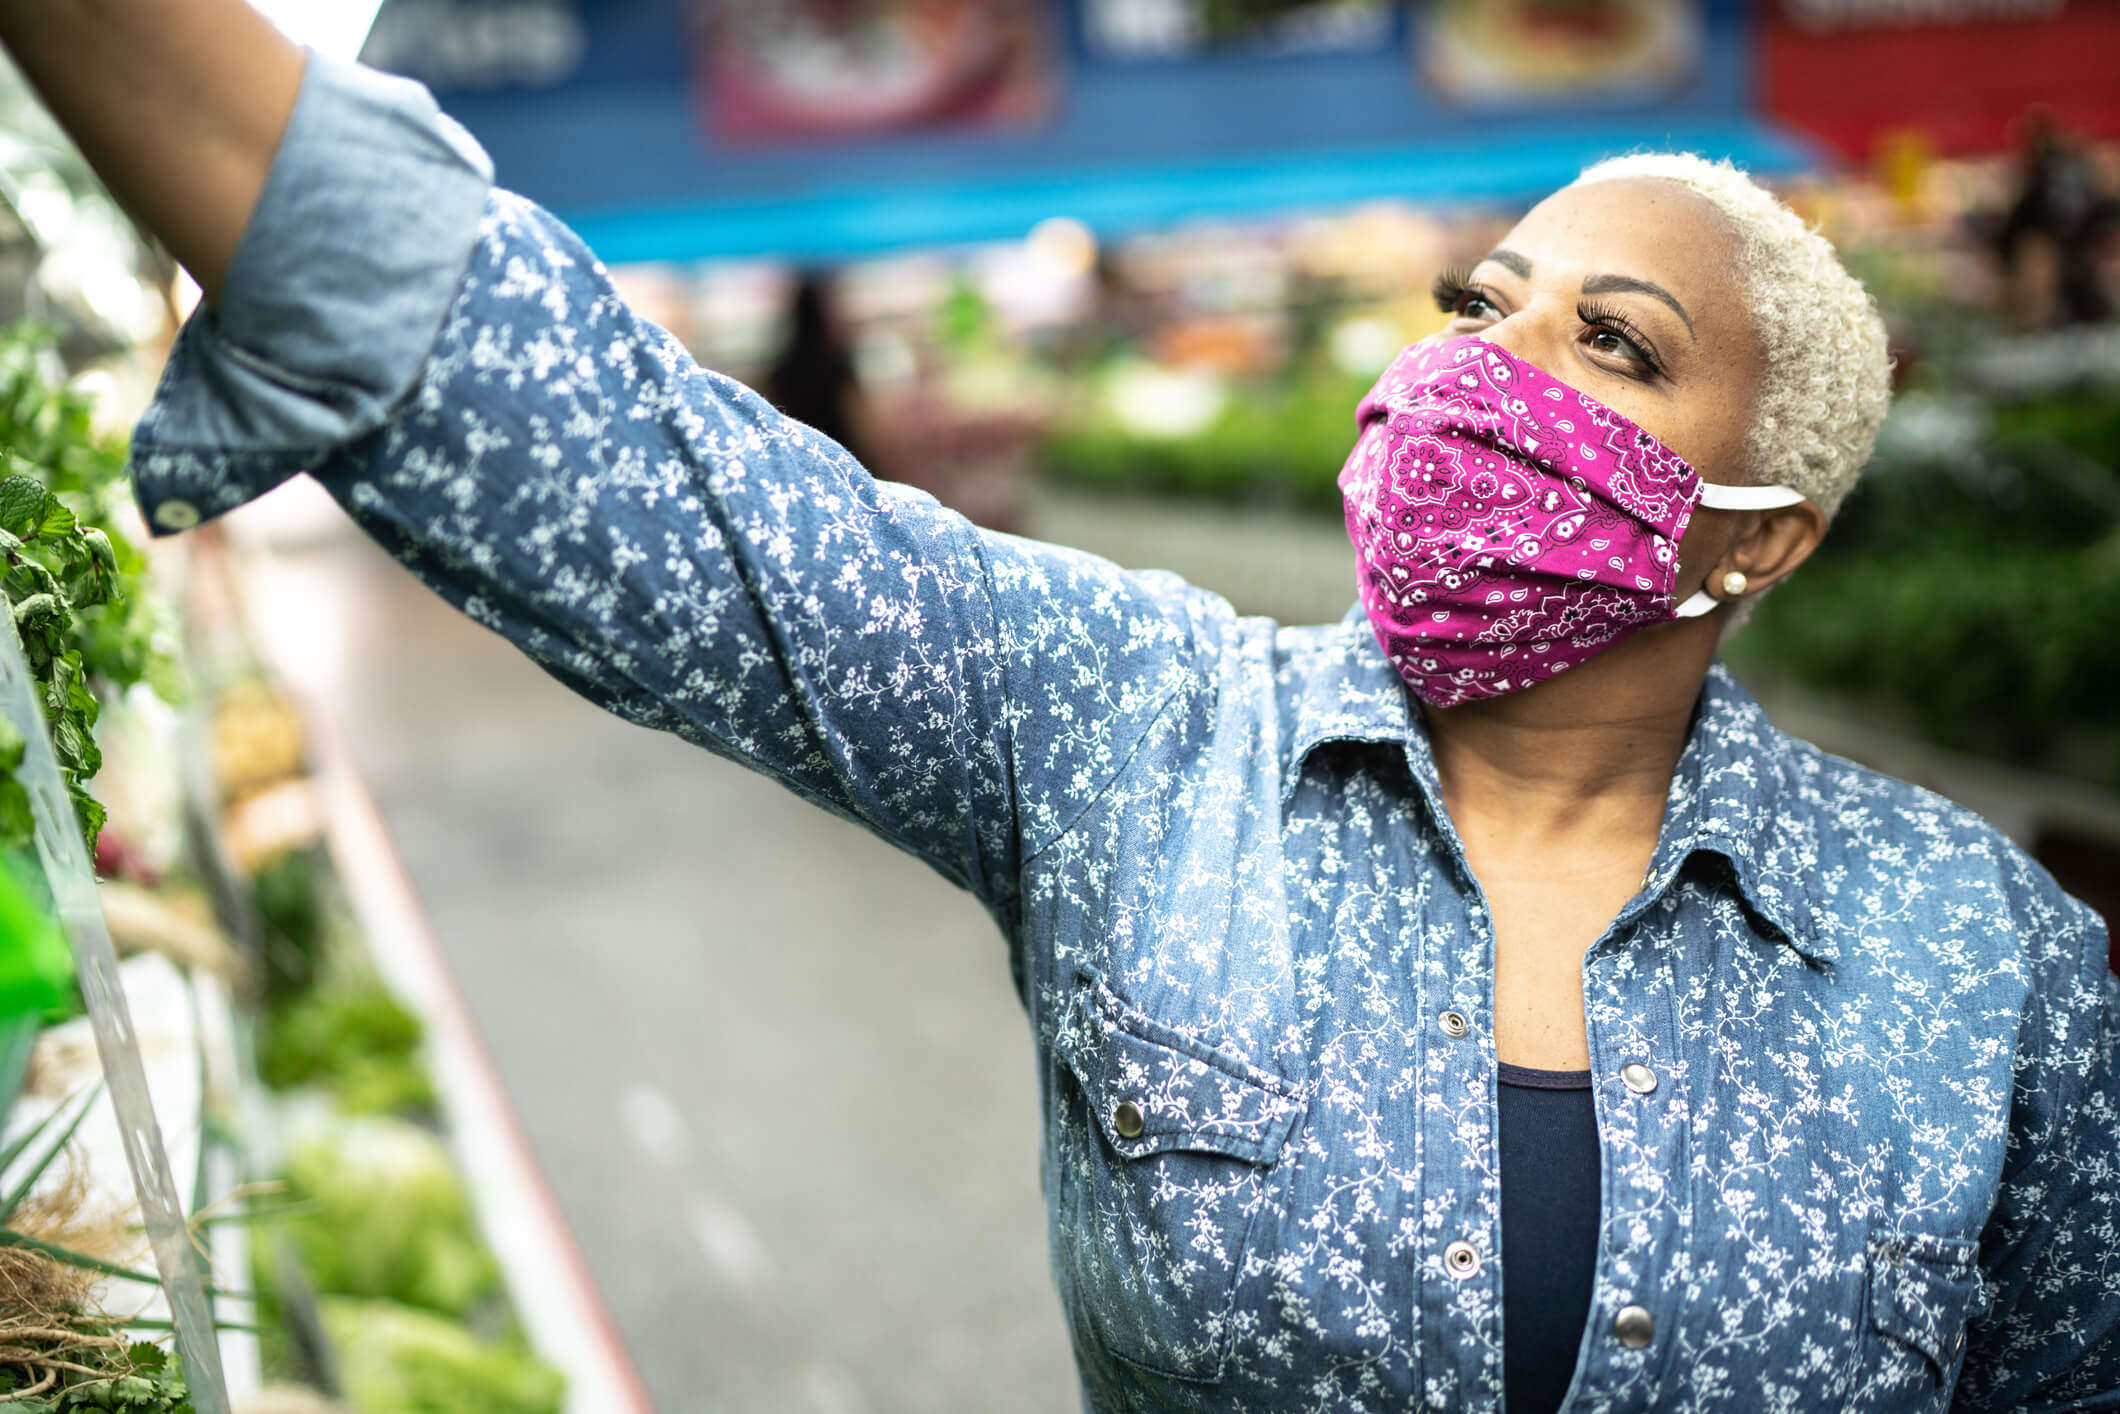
x=70, y=586
x=145, y=1379
x=54, y=569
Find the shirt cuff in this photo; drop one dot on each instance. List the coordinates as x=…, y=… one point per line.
x=333, y=300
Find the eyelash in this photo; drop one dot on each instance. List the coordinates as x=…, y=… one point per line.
x=1604, y=316
x=1455, y=284
x=1452, y=286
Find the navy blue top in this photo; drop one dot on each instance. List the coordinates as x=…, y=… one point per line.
x=1549, y=1231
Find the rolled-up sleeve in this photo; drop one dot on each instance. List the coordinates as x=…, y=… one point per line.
x=333, y=298
x=455, y=367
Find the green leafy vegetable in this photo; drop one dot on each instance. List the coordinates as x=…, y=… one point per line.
x=50, y=574
x=140, y=1379
x=1277, y=444
x=71, y=588
x=401, y=1361
x=352, y=1036
x=289, y=892
x=389, y=1220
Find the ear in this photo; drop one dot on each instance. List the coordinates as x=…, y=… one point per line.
x=1769, y=548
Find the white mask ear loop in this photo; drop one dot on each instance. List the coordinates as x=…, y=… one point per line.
x=1701, y=602
x=1716, y=496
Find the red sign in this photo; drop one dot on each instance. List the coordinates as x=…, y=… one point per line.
x=832, y=69
x=1962, y=73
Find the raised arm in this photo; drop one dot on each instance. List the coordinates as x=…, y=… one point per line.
x=453, y=365
x=178, y=104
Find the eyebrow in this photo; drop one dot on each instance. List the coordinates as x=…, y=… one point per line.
x=1509, y=260
x=1627, y=284
x=1600, y=285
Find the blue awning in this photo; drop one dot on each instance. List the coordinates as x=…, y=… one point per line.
x=1516, y=166
x=622, y=139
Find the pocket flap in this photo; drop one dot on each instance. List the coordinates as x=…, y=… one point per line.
x=1154, y=1089
x=1923, y=1290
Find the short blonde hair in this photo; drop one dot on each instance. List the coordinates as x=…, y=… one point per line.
x=1828, y=375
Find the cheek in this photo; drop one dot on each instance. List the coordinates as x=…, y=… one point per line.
x=1709, y=536
x=1710, y=438
x=1715, y=432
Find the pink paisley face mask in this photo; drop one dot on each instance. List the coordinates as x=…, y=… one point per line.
x=1506, y=527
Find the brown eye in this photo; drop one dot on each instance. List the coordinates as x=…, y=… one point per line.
x=1474, y=305
x=1613, y=335
x=1458, y=297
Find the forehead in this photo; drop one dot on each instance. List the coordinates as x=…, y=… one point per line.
x=1643, y=227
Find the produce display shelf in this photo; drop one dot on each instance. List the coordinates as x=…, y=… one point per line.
x=548, y=1280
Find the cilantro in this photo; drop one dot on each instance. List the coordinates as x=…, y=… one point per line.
x=140, y=1379
x=155, y=1385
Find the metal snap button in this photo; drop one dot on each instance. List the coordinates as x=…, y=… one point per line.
x=1634, y=1327
x=176, y=515
x=1127, y=1120
x=1461, y=1259
x=1640, y=1079
x=1453, y=1023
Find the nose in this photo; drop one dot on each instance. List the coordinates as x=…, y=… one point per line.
x=1537, y=332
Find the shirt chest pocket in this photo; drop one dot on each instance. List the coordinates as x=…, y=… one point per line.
x=1922, y=1289
x=1165, y=1152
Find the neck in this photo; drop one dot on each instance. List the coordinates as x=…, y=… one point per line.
x=1583, y=760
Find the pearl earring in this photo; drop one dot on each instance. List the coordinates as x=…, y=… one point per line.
x=1734, y=583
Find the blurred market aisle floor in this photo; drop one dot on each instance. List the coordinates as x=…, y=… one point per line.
x=773, y=1069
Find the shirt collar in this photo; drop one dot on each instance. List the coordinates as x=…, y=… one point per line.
x=1729, y=794
x=1345, y=689
x=1735, y=794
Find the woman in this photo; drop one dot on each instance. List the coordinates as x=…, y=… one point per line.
x=1302, y=917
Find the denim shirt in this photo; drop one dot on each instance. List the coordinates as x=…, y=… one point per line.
x=1853, y=1053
